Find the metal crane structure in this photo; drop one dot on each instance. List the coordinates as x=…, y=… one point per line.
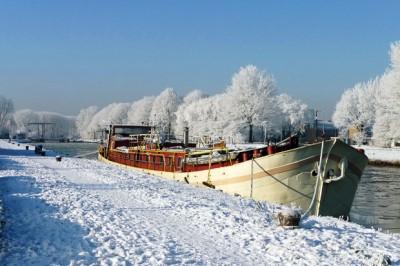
x=41, y=134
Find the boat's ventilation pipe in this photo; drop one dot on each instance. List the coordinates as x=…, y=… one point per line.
x=186, y=136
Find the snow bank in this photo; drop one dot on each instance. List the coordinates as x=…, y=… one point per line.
x=79, y=211
x=382, y=155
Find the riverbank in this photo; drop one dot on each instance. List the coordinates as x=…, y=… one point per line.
x=381, y=156
x=81, y=211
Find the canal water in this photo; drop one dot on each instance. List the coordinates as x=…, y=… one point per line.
x=376, y=204
x=71, y=149
x=377, y=201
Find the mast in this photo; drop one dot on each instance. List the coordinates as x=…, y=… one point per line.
x=110, y=132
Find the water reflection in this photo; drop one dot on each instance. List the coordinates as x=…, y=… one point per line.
x=377, y=201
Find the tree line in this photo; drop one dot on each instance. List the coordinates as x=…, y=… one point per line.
x=250, y=101
x=373, y=107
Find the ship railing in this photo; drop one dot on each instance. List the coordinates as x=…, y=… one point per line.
x=213, y=155
x=207, y=141
x=139, y=141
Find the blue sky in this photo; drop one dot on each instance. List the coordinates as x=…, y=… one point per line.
x=66, y=55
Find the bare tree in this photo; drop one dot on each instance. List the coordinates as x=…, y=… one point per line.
x=6, y=109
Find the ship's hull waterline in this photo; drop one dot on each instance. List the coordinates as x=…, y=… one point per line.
x=288, y=177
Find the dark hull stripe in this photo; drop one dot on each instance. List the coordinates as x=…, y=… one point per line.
x=285, y=168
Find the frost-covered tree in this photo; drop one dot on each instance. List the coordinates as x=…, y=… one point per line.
x=374, y=104
x=162, y=114
x=22, y=118
x=6, y=110
x=292, y=112
x=115, y=113
x=83, y=120
x=182, y=114
x=139, y=111
x=367, y=96
x=204, y=117
x=62, y=126
x=386, y=128
x=356, y=108
x=249, y=99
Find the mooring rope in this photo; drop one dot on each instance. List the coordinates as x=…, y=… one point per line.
x=320, y=178
x=318, y=181
x=277, y=180
x=85, y=154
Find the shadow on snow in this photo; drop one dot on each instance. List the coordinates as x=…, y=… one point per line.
x=33, y=232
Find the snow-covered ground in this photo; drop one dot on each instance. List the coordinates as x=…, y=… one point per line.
x=82, y=212
x=377, y=154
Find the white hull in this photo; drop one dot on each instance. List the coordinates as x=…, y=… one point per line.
x=287, y=177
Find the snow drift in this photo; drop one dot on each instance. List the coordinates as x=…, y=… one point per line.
x=81, y=212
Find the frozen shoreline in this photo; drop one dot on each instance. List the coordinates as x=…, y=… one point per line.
x=381, y=156
x=85, y=212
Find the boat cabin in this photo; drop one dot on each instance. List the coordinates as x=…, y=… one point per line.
x=141, y=146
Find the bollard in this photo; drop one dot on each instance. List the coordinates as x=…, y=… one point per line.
x=18, y=144
x=38, y=149
x=58, y=158
x=27, y=148
x=289, y=218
